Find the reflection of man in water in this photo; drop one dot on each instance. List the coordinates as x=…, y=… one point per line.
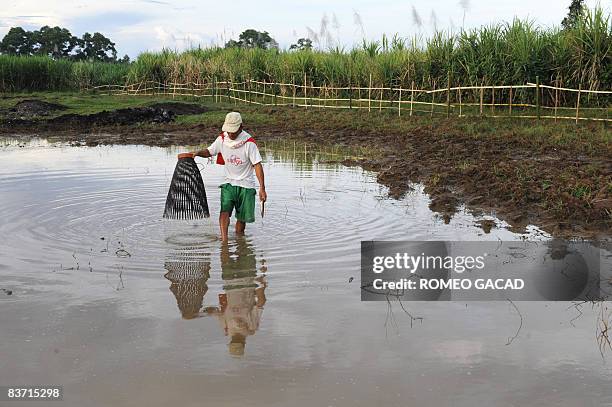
x=241, y=305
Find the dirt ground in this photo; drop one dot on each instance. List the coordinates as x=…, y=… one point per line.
x=565, y=188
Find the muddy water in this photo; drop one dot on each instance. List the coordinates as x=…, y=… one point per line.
x=123, y=308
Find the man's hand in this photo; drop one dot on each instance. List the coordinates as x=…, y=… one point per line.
x=202, y=153
x=262, y=185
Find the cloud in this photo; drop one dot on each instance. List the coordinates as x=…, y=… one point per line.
x=27, y=22
x=106, y=22
x=164, y=3
x=178, y=39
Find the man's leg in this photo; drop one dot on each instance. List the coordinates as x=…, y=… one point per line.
x=245, y=209
x=227, y=205
x=224, y=221
x=240, y=225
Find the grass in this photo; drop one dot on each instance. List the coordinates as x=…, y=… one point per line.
x=84, y=103
x=587, y=136
x=39, y=73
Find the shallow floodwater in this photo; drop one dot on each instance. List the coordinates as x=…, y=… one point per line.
x=123, y=308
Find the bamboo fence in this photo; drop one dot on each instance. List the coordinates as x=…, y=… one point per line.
x=531, y=100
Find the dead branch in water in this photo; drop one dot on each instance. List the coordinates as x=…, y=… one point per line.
x=390, y=318
x=510, y=340
x=604, y=323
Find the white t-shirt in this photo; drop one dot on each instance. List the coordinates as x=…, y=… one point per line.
x=240, y=156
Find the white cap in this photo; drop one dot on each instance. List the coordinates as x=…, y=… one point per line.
x=232, y=123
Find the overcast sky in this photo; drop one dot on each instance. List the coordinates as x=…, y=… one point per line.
x=139, y=25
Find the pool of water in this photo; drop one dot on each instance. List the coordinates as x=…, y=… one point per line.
x=124, y=308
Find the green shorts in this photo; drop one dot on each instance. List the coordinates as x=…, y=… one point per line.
x=243, y=199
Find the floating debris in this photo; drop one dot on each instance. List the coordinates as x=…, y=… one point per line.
x=123, y=253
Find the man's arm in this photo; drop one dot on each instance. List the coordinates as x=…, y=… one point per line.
x=202, y=153
x=259, y=173
x=212, y=150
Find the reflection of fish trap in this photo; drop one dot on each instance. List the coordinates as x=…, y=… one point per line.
x=187, y=197
x=188, y=284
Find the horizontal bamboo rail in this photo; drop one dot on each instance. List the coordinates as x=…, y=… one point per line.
x=374, y=97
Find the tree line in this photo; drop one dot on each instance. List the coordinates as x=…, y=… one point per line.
x=57, y=42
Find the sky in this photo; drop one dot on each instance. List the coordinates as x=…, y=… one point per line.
x=140, y=25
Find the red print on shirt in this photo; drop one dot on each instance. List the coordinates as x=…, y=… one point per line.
x=234, y=159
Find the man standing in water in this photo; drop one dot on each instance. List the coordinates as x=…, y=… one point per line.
x=236, y=149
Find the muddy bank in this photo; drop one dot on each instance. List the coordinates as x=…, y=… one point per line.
x=563, y=187
x=32, y=108
x=29, y=115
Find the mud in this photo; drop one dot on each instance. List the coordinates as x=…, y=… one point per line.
x=565, y=190
x=27, y=115
x=32, y=108
x=508, y=178
x=179, y=108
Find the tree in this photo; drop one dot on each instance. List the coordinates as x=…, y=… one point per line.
x=96, y=47
x=58, y=42
x=54, y=41
x=233, y=44
x=17, y=42
x=302, y=44
x=253, y=39
x=575, y=11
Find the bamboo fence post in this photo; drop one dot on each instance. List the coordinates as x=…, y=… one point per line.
x=293, y=83
x=324, y=101
x=399, y=102
x=538, y=96
x=338, y=95
x=578, y=101
x=411, y=97
x=359, y=94
x=274, y=92
x=215, y=89
x=382, y=87
x=305, y=97
x=510, y=102
x=370, y=95
x=460, y=106
x=250, y=90
x=335, y=93
x=481, y=98
x=233, y=91
x=325, y=90
x=350, y=96
x=556, y=100
x=433, y=98
x=312, y=91
x=448, y=97
x=264, y=93
x=492, y=100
